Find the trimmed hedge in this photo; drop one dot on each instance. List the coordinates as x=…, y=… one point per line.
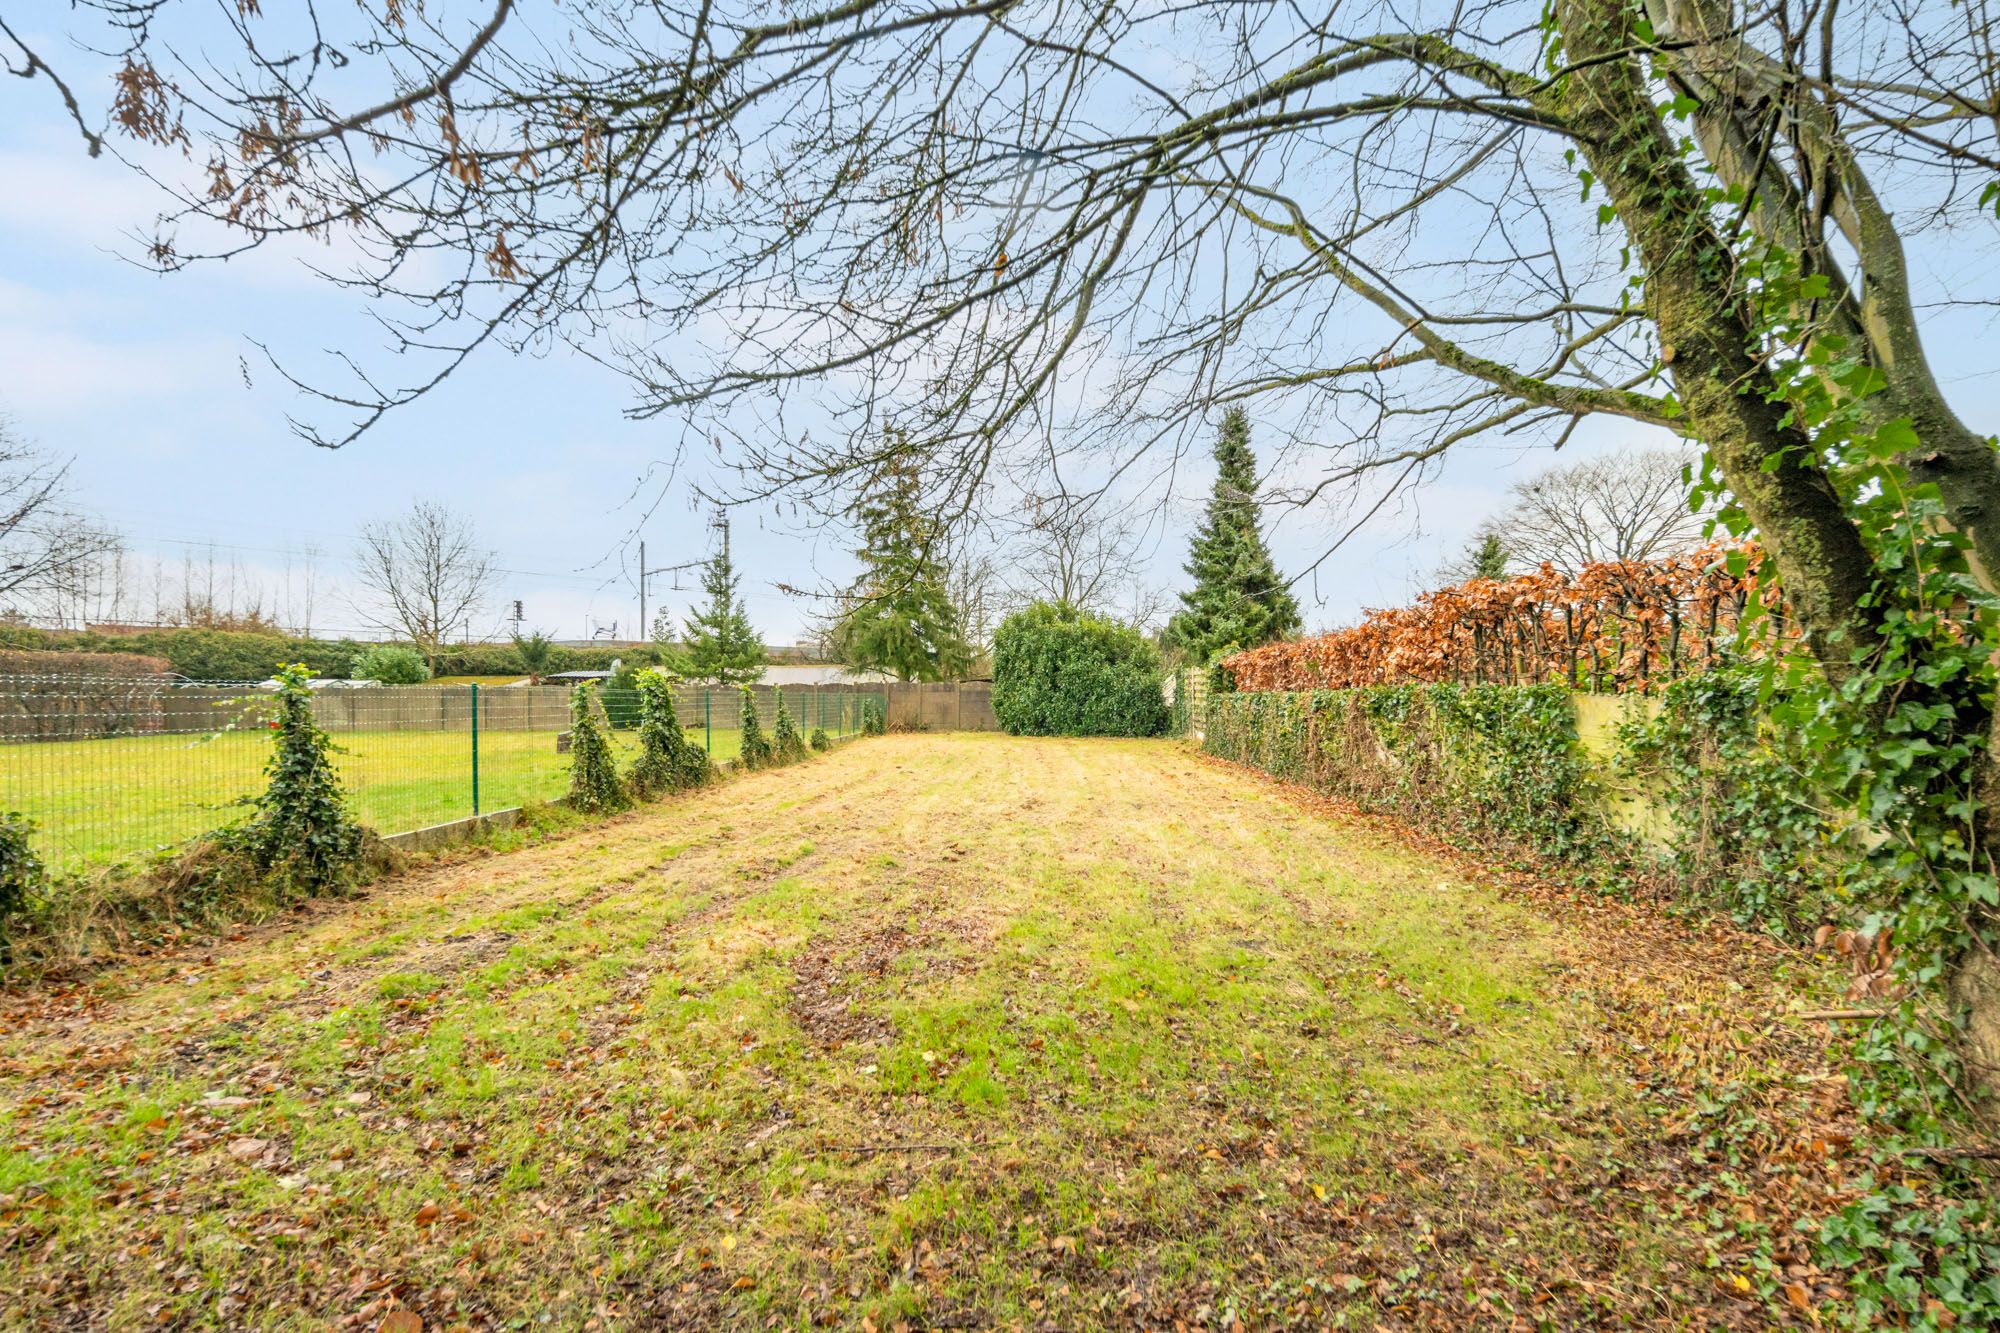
x=1472, y=762
x=391, y=664
x=214, y=654
x=1062, y=672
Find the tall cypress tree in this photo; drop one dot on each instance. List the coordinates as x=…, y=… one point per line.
x=1238, y=600
x=720, y=643
x=899, y=616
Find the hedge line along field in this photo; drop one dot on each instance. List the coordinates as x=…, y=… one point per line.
x=933, y=1031
x=104, y=800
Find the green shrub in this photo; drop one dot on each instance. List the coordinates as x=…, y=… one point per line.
x=874, y=718
x=301, y=838
x=820, y=740
x=620, y=697
x=391, y=664
x=755, y=751
x=533, y=652
x=23, y=877
x=787, y=745
x=668, y=760
x=1062, y=672
x=593, y=773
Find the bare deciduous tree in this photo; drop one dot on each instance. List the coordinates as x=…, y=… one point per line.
x=426, y=575
x=49, y=552
x=1076, y=551
x=1630, y=505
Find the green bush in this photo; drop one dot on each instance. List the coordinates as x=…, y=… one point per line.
x=668, y=760
x=620, y=696
x=787, y=745
x=1062, y=672
x=22, y=874
x=593, y=773
x=820, y=740
x=200, y=654
x=302, y=838
x=533, y=652
x=874, y=718
x=391, y=664
x=755, y=751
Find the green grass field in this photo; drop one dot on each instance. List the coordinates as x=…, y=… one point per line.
x=946, y=1031
x=99, y=801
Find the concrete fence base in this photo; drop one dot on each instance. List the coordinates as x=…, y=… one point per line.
x=452, y=832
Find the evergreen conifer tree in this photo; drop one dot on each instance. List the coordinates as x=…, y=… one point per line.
x=1238, y=600
x=720, y=644
x=1487, y=558
x=899, y=616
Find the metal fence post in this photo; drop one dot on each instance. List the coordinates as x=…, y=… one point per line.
x=475, y=749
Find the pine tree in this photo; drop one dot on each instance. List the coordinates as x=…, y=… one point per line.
x=721, y=645
x=1488, y=558
x=899, y=615
x=1238, y=600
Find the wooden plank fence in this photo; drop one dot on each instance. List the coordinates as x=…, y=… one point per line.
x=957, y=706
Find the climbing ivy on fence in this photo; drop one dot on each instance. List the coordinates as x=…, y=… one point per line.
x=668, y=760
x=787, y=745
x=302, y=838
x=755, y=750
x=593, y=773
x=1474, y=762
x=1750, y=836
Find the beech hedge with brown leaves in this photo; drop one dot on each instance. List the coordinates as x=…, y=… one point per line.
x=1612, y=627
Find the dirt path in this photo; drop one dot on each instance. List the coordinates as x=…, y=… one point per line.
x=954, y=1031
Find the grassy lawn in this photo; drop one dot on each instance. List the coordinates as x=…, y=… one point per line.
x=101, y=800
x=945, y=1031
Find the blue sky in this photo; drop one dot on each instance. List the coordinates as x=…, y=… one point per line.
x=178, y=428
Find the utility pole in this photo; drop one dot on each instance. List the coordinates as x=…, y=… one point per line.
x=645, y=626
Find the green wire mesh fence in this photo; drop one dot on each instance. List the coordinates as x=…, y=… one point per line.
x=113, y=769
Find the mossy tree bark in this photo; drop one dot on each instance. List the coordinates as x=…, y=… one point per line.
x=1732, y=404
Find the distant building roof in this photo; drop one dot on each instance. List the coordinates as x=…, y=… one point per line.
x=826, y=674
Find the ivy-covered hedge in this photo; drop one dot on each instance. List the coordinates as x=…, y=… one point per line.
x=1062, y=672
x=1743, y=827
x=1474, y=763
x=1751, y=831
